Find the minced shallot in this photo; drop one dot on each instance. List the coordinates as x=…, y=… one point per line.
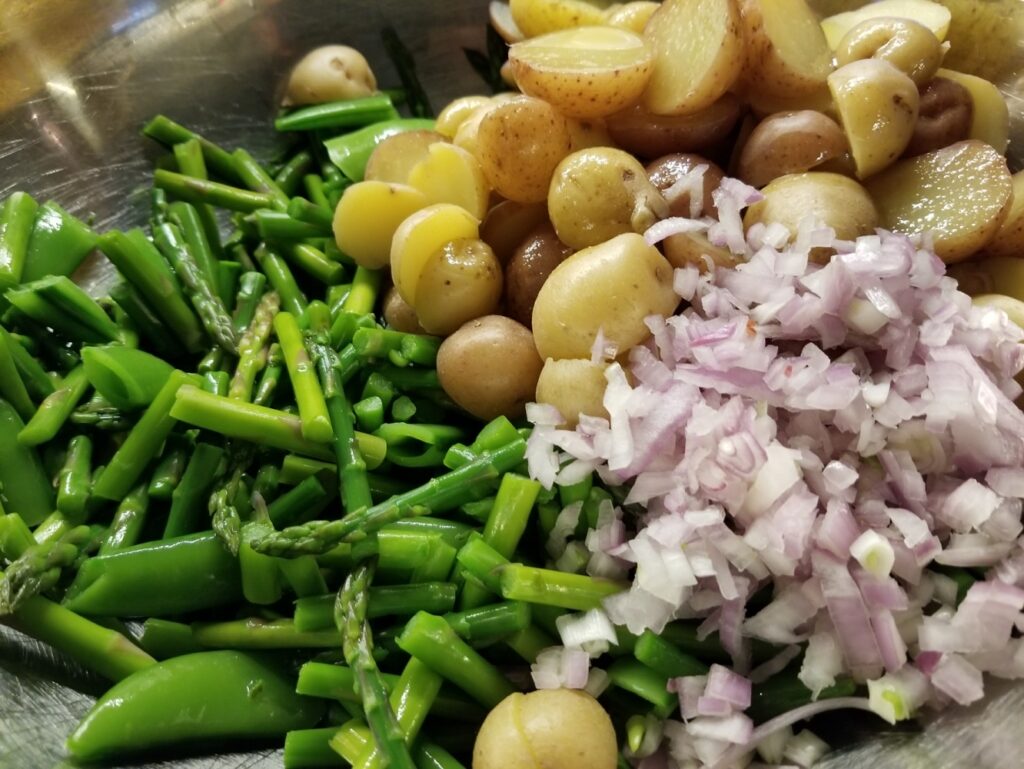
x=840, y=434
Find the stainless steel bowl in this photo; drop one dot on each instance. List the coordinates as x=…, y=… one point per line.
x=77, y=80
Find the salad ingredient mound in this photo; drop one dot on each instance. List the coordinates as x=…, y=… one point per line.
x=812, y=456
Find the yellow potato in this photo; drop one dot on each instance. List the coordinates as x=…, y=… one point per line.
x=877, y=106
x=328, y=73
x=460, y=282
x=698, y=55
x=960, y=193
x=501, y=19
x=990, y=275
x=650, y=136
x=585, y=72
x=990, y=121
x=456, y=112
x=686, y=248
x=519, y=143
x=394, y=158
x=764, y=104
x=632, y=16
x=1009, y=238
x=386, y=205
x=538, y=17
x=932, y=15
x=840, y=202
x=611, y=288
x=568, y=728
x=910, y=47
x=787, y=143
x=399, y=315
x=787, y=54
x=490, y=367
x=1014, y=308
x=573, y=386
x=944, y=117
x=590, y=132
x=599, y=193
x=449, y=174
x=984, y=38
x=421, y=236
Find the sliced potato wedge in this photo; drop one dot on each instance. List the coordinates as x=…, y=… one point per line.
x=961, y=194
x=384, y=204
x=1009, y=239
x=585, y=72
x=991, y=118
x=632, y=16
x=421, y=236
x=932, y=15
x=786, y=51
x=394, y=158
x=877, y=106
x=698, y=54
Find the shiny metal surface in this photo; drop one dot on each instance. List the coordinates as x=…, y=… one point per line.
x=77, y=80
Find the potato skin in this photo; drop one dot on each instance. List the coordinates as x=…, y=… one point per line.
x=610, y=287
x=490, y=367
x=789, y=143
x=573, y=386
x=328, y=73
x=460, y=282
x=399, y=315
x=567, y=727
x=531, y=264
x=669, y=169
x=649, y=136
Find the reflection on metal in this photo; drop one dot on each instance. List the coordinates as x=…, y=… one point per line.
x=77, y=80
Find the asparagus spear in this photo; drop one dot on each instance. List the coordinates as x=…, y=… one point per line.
x=438, y=494
x=38, y=569
x=55, y=410
x=200, y=191
x=189, y=155
x=281, y=279
x=251, y=286
x=167, y=132
x=130, y=517
x=252, y=348
x=350, y=618
x=75, y=478
x=271, y=376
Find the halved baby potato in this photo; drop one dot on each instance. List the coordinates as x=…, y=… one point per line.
x=422, y=235
x=632, y=16
x=1009, y=239
x=932, y=15
x=585, y=72
x=878, y=108
x=698, y=54
x=960, y=193
x=449, y=174
x=386, y=206
x=393, y=158
x=786, y=51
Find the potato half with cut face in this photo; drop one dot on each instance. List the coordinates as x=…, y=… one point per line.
x=698, y=54
x=961, y=194
x=786, y=52
x=932, y=15
x=585, y=72
x=538, y=17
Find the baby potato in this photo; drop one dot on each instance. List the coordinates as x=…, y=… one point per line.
x=588, y=132
x=932, y=15
x=787, y=54
x=449, y=174
x=538, y=17
x=585, y=72
x=960, y=193
x=789, y=143
x=573, y=386
x=490, y=367
x=393, y=159
x=386, y=206
x=990, y=275
x=567, y=727
x=840, y=202
x=599, y=193
x=877, y=106
x=455, y=112
x=669, y=169
x=1014, y=308
x=458, y=283
x=611, y=288
x=764, y=104
x=990, y=120
x=508, y=224
x=329, y=73
x=944, y=117
x=399, y=315
x=422, y=235
x=649, y=136
x=531, y=264
x=632, y=16
x=910, y=47
x=698, y=55
x=501, y=19
x=519, y=143
x=1009, y=238
x=693, y=248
